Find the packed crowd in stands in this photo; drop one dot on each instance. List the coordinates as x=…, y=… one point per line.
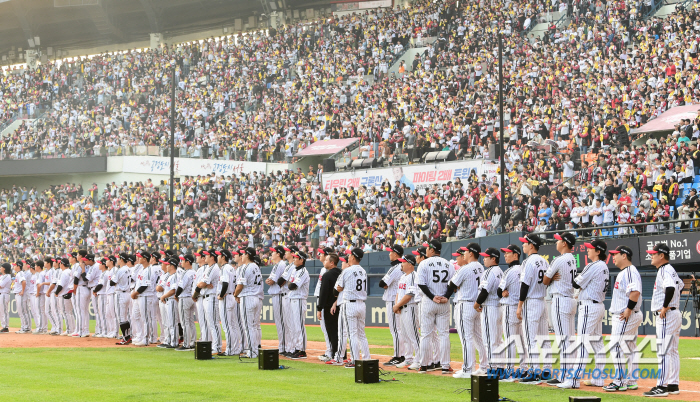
x=577, y=91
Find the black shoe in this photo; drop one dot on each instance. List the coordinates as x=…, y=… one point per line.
x=171, y=347
x=657, y=391
x=423, y=369
x=393, y=361
x=221, y=354
x=403, y=359
x=531, y=379
x=299, y=354
x=162, y=346
x=434, y=367
x=4, y=330
x=181, y=349
x=553, y=381
x=673, y=389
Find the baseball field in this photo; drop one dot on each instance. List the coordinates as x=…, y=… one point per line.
x=42, y=367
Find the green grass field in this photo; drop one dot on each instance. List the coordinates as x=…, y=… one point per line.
x=144, y=374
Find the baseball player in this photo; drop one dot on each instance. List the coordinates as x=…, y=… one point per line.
x=298, y=284
x=144, y=295
x=277, y=293
x=434, y=273
x=169, y=332
x=353, y=282
x=110, y=306
x=531, y=306
x=31, y=291
x=137, y=319
x=322, y=255
x=593, y=282
x=626, y=317
x=41, y=273
x=122, y=297
x=5, y=284
x=77, y=266
x=64, y=292
x=390, y=283
x=83, y=279
x=186, y=306
x=249, y=295
x=338, y=308
x=282, y=282
x=158, y=272
x=406, y=307
x=99, y=292
x=207, y=286
x=20, y=291
x=50, y=298
x=560, y=277
x=54, y=304
x=665, y=302
x=326, y=301
x=467, y=319
x=228, y=308
x=488, y=304
x=198, y=275
x=509, y=292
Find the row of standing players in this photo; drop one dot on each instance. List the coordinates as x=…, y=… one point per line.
x=126, y=290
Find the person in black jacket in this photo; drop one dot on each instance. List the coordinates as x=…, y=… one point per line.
x=327, y=298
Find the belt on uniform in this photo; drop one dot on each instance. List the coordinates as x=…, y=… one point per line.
x=280, y=294
x=592, y=301
x=205, y=296
x=407, y=306
x=657, y=313
x=351, y=301
x=465, y=301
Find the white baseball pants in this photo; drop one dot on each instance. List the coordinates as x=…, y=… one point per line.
x=250, y=309
x=624, y=340
x=355, y=313
x=563, y=315
x=228, y=310
x=409, y=326
x=468, y=323
x=189, y=330
x=668, y=330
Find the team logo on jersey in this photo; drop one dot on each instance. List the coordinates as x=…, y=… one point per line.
x=617, y=285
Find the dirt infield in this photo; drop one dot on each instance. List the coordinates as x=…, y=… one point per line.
x=690, y=390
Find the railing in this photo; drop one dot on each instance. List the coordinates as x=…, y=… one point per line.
x=613, y=232
x=654, y=8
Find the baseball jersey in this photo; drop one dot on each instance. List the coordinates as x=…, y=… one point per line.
x=65, y=281
x=41, y=277
x=407, y=286
x=93, y=275
x=532, y=275
x=170, y=284
x=157, y=273
x=186, y=282
x=75, y=272
x=511, y=282
x=392, y=281
x=353, y=280
x=5, y=282
x=594, y=281
x=109, y=275
x=666, y=276
x=468, y=280
x=228, y=275
x=277, y=271
x=490, y=281
x=19, y=278
x=300, y=277
x=146, y=278
x=50, y=276
x=123, y=279
x=250, y=277
x=338, y=282
x=565, y=266
x=212, y=275
x=161, y=282
x=317, y=290
x=135, y=272
x=103, y=276
x=56, y=278
x=31, y=283
x=435, y=273
x=198, y=275
x=627, y=281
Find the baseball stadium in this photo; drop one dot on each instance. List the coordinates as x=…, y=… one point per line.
x=453, y=200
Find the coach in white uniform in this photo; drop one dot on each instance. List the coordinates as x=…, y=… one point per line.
x=353, y=283
x=467, y=320
x=626, y=317
x=665, y=302
x=407, y=298
x=487, y=304
x=593, y=282
x=433, y=275
x=509, y=292
x=298, y=292
x=390, y=283
x=560, y=278
x=531, y=306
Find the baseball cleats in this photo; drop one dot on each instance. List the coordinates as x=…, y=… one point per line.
x=632, y=387
x=183, y=349
x=332, y=361
x=657, y=391
x=448, y=370
x=140, y=344
x=337, y=363
x=566, y=385
x=350, y=365
x=673, y=389
x=434, y=367
x=532, y=380
x=124, y=342
x=423, y=369
x=402, y=364
x=21, y=331
x=4, y=331
x=414, y=366
x=553, y=382
x=218, y=354
x=479, y=372
x=299, y=354
x=324, y=358
x=612, y=387
x=162, y=346
x=462, y=374
x=393, y=361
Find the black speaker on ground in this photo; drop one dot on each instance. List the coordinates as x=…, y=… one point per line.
x=268, y=359
x=484, y=389
x=329, y=165
x=366, y=371
x=364, y=163
x=202, y=350
x=584, y=399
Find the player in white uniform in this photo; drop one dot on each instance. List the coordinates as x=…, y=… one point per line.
x=137, y=321
x=208, y=284
x=31, y=290
x=64, y=291
x=19, y=289
x=593, y=282
x=489, y=307
x=560, y=278
x=169, y=333
x=198, y=275
x=353, y=283
x=50, y=298
x=338, y=308
x=434, y=273
x=665, y=302
x=322, y=254
x=298, y=284
x=467, y=320
x=145, y=296
x=122, y=296
x=100, y=303
x=161, y=275
x=390, y=283
x=531, y=306
x=509, y=292
x=41, y=273
x=110, y=291
x=626, y=317
x=56, y=309
x=277, y=293
x=228, y=308
x=406, y=308
x=79, y=307
x=249, y=295
x=5, y=283
x=186, y=306
x=284, y=289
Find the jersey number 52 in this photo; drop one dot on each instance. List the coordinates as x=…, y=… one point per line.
x=436, y=276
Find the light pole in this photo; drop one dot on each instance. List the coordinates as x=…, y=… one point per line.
x=172, y=154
